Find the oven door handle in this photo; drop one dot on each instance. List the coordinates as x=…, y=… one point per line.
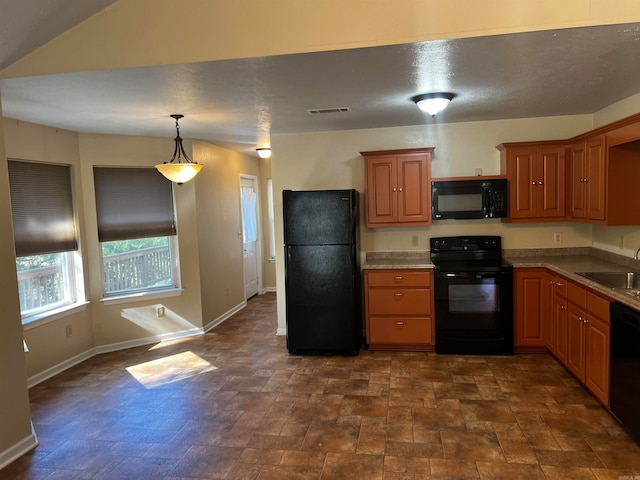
x=472, y=274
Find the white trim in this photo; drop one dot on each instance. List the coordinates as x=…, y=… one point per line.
x=144, y=295
x=225, y=316
x=141, y=342
x=52, y=315
x=17, y=450
x=269, y=290
x=281, y=331
x=60, y=367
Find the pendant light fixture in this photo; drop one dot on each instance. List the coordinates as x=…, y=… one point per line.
x=264, y=152
x=180, y=168
x=433, y=103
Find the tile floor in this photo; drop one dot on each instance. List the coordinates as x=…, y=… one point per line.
x=232, y=404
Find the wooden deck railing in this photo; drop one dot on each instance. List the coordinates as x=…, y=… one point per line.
x=141, y=269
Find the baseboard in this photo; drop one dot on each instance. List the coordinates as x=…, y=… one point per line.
x=138, y=342
x=19, y=449
x=225, y=316
x=281, y=331
x=268, y=290
x=141, y=342
x=60, y=367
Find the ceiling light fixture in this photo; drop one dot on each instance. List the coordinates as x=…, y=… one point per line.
x=183, y=169
x=264, y=152
x=433, y=103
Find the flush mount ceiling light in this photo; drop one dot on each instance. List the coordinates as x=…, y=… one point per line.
x=264, y=152
x=180, y=168
x=432, y=103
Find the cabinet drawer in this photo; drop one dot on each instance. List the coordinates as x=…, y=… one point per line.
x=398, y=278
x=400, y=330
x=399, y=301
x=598, y=306
x=577, y=294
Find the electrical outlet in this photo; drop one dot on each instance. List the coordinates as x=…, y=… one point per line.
x=68, y=331
x=414, y=240
x=557, y=237
x=478, y=172
x=160, y=311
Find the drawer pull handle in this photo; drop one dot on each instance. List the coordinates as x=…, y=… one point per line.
x=398, y=278
x=397, y=295
x=401, y=324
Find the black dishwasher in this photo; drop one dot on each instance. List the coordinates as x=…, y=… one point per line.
x=625, y=365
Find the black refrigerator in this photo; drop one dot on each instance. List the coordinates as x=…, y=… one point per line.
x=321, y=273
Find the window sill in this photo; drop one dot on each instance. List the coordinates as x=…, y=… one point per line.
x=142, y=296
x=52, y=315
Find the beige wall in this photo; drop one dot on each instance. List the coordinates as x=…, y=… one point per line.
x=48, y=343
x=219, y=227
x=15, y=425
x=268, y=265
x=332, y=160
x=223, y=29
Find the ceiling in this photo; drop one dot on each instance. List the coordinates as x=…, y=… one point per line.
x=239, y=103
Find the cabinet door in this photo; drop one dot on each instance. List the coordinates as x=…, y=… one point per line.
x=560, y=319
x=522, y=177
x=382, y=196
x=414, y=198
x=575, y=340
x=551, y=182
x=597, y=358
x=595, y=198
x=578, y=180
x=531, y=307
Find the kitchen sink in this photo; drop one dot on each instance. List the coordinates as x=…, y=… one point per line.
x=618, y=280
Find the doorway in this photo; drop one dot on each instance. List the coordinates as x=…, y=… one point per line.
x=251, y=251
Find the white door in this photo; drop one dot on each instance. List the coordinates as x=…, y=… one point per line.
x=250, y=235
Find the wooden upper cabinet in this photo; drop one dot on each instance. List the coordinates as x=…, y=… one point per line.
x=536, y=174
x=603, y=180
x=588, y=168
x=398, y=187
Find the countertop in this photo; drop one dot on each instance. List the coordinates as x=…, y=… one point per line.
x=565, y=262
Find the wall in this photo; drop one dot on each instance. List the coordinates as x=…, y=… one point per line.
x=332, y=160
x=221, y=29
x=48, y=343
x=219, y=227
x=15, y=426
x=114, y=323
x=268, y=265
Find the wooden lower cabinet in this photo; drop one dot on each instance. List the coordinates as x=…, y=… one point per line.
x=531, y=308
x=398, y=309
x=573, y=321
x=588, y=340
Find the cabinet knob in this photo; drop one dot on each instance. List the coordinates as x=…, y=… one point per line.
x=395, y=189
x=400, y=324
x=533, y=183
x=400, y=189
x=562, y=307
x=540, y=183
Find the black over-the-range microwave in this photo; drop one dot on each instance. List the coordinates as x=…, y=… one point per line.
x=468, y=199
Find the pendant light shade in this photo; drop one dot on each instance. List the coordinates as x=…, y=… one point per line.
x=180, y=168
x=264, y=152
x=433, y=103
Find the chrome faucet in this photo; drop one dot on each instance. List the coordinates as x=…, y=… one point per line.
x=635, y=255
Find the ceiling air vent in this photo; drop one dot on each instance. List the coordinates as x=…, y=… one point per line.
x=317, y=111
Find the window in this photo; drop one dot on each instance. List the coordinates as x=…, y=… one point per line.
x=136, y=227
x=45, y=237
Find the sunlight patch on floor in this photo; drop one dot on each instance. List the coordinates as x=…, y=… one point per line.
x=169, y=369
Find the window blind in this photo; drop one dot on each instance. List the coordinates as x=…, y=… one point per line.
x=133, y=203
x=42, y=208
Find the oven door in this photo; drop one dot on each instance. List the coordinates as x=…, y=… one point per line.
x=474, y=312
